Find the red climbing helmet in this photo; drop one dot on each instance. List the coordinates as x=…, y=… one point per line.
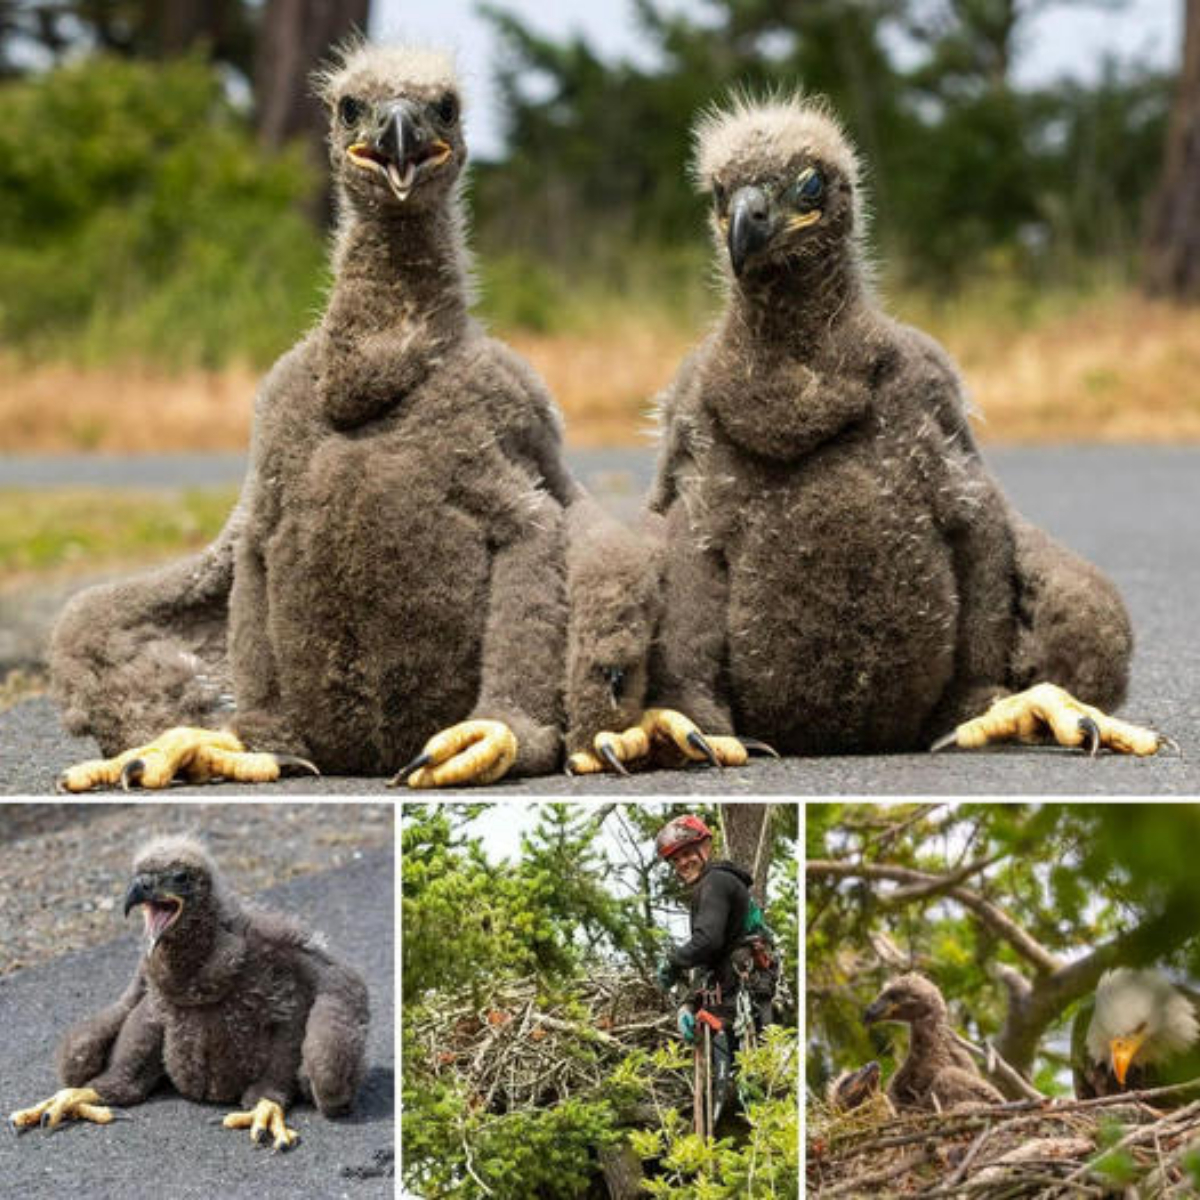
x=682, y=831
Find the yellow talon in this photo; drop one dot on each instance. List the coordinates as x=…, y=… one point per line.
x=1047, y=709
x=79, y=1103
x=661, y=736
x=476, y=752
x=198, y=755
x=265, y=1117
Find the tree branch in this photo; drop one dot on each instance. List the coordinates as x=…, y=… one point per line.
x=990, y=914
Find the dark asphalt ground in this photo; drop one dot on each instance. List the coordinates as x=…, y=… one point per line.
x=173, y=1148
x=1131, y=510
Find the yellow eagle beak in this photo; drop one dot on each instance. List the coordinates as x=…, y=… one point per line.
x=1123, y=1049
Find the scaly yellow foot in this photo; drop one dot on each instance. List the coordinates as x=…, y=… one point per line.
x=197, y=755
x=82, y=1104
x=266, y=1117
x=661, y=736
x=1046, y=712
x=478, y=752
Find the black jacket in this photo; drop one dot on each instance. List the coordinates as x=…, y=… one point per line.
x=720, y=904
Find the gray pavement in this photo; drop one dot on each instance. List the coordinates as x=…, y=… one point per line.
x=175, y=1148
x=1131, y=510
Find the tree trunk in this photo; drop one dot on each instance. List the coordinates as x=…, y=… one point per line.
x=295, y=37
x=1173, y=241
x=622, y=1172
x=747, y=843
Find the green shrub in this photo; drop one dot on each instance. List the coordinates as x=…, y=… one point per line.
x=140, y=219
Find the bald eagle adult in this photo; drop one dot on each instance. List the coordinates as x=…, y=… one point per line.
x=233, y=1005
x=1139, y=1030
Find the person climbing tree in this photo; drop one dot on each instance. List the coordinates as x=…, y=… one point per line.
x=730, y=955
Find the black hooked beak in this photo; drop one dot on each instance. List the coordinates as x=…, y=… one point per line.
x=751, y=225
x=403, y=139
x=140, y=891
x=876, y=1012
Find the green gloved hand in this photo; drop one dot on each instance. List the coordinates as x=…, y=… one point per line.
x=668, y=972
x=687, y=1024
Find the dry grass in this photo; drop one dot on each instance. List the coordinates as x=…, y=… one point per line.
x=56, y=408
x=1115, y=368
x=1123, y=369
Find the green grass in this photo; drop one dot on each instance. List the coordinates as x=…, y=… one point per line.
x=52, y=531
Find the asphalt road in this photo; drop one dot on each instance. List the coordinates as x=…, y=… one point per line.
x=175, y=1148
x=1131, y=510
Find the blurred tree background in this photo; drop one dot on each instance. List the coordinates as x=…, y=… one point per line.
x=583, y=898
x=162, y=195
x=1014, y=910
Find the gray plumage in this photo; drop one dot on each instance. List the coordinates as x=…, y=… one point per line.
x=615, y=604
x=396, y=563
x=842, y=573
x=852, y=1090
x=232, y=1004
x=937, y=1073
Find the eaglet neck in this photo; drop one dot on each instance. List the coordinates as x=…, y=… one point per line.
x=398, y=306
x=414, y=265
x=196, y=966
x=784, y=378
x=929, y=1046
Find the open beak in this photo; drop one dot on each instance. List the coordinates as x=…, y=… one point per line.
x=859, y=1086
x=160, y=909
x=401, y=152
x=1123, y=1050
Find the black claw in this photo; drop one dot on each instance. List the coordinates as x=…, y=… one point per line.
x=289, y=764
x=610, y=756
x=119, y=1114
x=44, y=1120
x=16, y=1129
x=697, y=741
x=1091, y=733
x=568, y=769
x=754, y=746
x=944, y=742
x=132, y=772
x=1169, y=743
x=258, y=1136
x=422, y=760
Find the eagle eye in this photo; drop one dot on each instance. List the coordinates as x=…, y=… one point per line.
x=350, y=109
x=809, y=189
x=447, y=108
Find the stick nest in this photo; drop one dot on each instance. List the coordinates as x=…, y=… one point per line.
x=529, y=1048
x=1028, y=1148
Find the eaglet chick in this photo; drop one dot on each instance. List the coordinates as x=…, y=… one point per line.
x=938, y=1073
x=842, y=572
x=395, y=565
x=232, y=1004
